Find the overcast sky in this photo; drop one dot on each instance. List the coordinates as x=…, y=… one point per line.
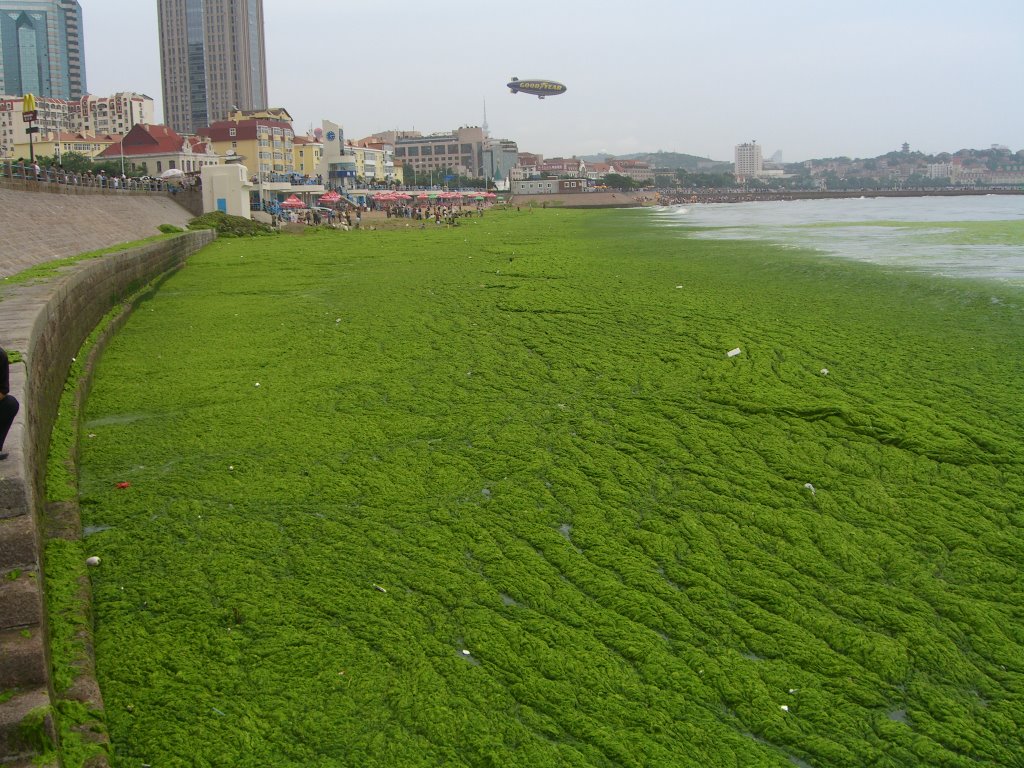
x=809, y=78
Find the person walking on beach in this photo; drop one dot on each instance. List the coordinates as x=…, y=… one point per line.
x=9, y=406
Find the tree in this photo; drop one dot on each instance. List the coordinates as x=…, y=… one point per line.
x=74, y=162
x=705, y=180
x=618, y=181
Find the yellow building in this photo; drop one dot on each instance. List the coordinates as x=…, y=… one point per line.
x=264, y=139
x=374, y=162
x=306, y=154
x=46, y=144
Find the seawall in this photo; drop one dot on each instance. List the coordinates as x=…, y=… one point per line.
x=43, y=221
x=47, y=322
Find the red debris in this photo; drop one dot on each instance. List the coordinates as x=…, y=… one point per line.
x=124, y=485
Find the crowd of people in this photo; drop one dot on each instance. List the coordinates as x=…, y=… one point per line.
x=57, y=174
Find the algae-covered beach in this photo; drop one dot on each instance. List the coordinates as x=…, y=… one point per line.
x=496, y=495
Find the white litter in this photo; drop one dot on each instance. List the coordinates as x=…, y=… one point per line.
x=733, y=352
x=792, y=690
x=784, y=707
x=92, y=560
x=379, y=588
x=810, y=488
x=679, y=286
x=257, y=383
x=231, y=467
x=824, y=371
x=465, y=652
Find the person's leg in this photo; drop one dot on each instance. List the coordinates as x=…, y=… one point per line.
x=8, y=410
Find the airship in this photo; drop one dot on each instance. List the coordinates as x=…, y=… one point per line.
x=538, y=88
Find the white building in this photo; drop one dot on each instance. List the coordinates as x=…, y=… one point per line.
x=940, y=170
x=96, y=115
x=749, y=164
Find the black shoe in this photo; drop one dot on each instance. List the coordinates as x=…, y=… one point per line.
x=3, y=455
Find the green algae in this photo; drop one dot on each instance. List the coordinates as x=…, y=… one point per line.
x=50, y=268
x=354, y=456
x=1008, y=232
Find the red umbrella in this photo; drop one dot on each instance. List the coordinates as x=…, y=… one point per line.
x=293, y=202
x=330, y=197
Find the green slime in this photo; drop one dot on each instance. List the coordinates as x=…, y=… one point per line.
x=355, y=456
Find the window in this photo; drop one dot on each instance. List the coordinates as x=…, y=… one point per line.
x=428, y=151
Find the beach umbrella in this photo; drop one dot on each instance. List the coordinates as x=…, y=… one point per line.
x=330, y=197
x=172, y=173
x=293, y=202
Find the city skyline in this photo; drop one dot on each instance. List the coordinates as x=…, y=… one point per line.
x=807, y=79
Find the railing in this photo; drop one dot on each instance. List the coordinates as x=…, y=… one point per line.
x=25, y=172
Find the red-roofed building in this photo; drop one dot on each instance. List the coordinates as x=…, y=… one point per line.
x=563, y=168
x=638, y=170
x=154, y=149
x=264, y=139
x=597, y=171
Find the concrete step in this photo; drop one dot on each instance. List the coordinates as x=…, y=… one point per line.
x=21, y=599
x=23, y=658
x=17, y=543
x=23, y=739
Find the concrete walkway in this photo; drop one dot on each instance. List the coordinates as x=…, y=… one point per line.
x=42, y=226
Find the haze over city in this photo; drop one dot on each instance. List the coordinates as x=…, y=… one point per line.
x=806, y=78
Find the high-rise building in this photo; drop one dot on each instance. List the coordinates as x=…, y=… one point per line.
x=749, y=163
x=212, y=60
x=41, y=48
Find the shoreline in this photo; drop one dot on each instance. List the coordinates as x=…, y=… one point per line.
x=722, y=196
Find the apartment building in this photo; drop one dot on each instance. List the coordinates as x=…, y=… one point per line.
x=212, y=60
x=264, y=139
x=748, y=161
x=41, y=48
x=90, y=115
x=639, y=171
x=306, y=154
x=461, y=150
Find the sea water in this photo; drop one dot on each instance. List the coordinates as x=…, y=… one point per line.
x=881, y=230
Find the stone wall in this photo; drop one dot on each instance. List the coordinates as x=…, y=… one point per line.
x=47, y=323
x=53, y=221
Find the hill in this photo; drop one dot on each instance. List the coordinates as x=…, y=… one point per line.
x=673, y=160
